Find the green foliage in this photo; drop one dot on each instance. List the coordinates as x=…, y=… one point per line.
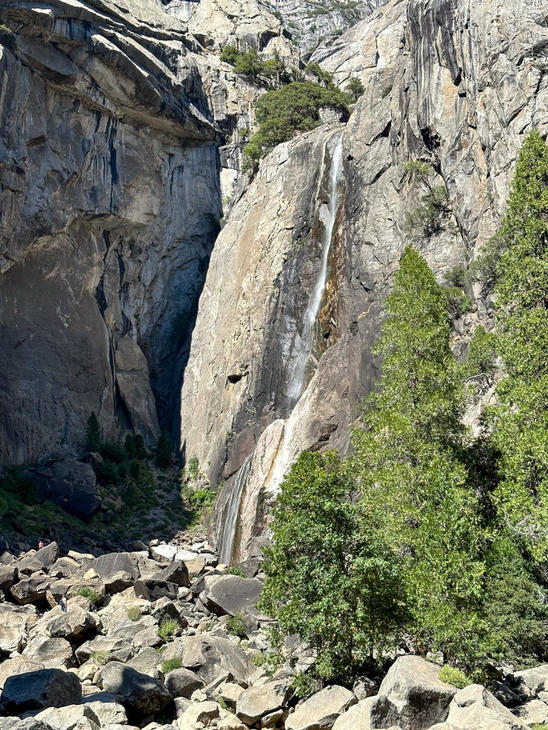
x=428, y=217
x=456, y=277
x=458, y=303
x=113, y=451
x=408, y=454
x=91, y=595
x=193, y=468
x=101, y=657
x=249, y=64
x=167, y=629
x=521, y=418
x=134, y=613
x=305, y=685
x=417, y=171
x=329, y=578
x=13, y=481
x=164, y=449
x=236, y=625
x=480, y=359
x=230, y=55
x=324, y=77
x=93, y=433
x=294, y=107
x=236, y=571
x=168, y=665
x=355, y=88
x=454, y=676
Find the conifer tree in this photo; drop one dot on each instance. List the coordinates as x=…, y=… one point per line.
x=409, y=458
x=521, y=416
x=93, y=433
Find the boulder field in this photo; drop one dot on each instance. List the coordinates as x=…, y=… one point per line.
x=162, y=636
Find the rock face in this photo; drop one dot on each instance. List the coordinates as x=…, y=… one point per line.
x=457, y=84
x=111, y=201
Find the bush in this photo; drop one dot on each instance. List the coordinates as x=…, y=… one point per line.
x=230, y=55
x=355, y=89
x=480, y=359
x=294, y=107
x=236, y=625
x=305, y=685
x=456, y=277
x=236, y=571
x=113, y=451
x=454, y=676
x=93, y=433
x=134, y=613
x=458, y=303
x=91, y=595
x=193, y=468
x=167, y=629
x=170, y=664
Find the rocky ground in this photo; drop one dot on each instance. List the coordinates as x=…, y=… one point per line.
x=164, y=637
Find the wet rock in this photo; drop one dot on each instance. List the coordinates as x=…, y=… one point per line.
x=321, y=710
x=40, y=689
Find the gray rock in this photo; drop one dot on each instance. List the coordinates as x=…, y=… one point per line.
x=176, y=572
x=70, y=484
x=411, y=695
x=8, y=576
x=72, y=717
x=30, y=590
x=73, y=624
x=263, y=699
x=476, y=707
x=209, y=655
x=535, y=679
x=182, y=683
x=48, y=554
x=54, y=652
x=531, y=712
x=321, y=710
x=105, y=711
x=151, y=589
x=357, y=717
x=110, y=564
x=40, y=689
x=140, y=694
x=230, y=594
x=17, y=665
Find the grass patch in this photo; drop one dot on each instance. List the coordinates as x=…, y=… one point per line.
x=454, y=676
x=170, y=664
x=167, y=629
x=91, y=595
x=236, y=625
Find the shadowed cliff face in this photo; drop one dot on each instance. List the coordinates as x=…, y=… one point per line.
x=455, y=83
x=110, y=205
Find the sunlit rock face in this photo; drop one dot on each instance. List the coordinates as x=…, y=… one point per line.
x=454, y=83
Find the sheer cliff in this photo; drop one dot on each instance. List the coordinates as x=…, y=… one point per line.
x=453, y=83
x=111, y=117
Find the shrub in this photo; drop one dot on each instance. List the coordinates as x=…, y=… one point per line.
x=305, y=685
x=355, y=88
x=168, y=665
x=101, y=657
x=113, y=451
x=294, y=107
x=258, y=659
x=458, y=303
x=167, y=629
x=480, y=359
x=193, y=468
x=454, y=676
x=91, y=595
x=236, y=571
x=134, y=613
x=456, y=277
x=230, y=55
x=236, y=625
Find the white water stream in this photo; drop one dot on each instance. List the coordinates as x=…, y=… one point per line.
x=299, y=358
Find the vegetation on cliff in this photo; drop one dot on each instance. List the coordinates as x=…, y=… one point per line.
x=456, y=528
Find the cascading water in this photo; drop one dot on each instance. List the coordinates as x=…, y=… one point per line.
x=295, y=382
x=230, y=515
x=299, y=360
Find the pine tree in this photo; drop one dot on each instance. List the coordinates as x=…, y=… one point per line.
x=164, y=449
x=409, y=457
x=521, y=417
x=329, y=576
x=93, y=433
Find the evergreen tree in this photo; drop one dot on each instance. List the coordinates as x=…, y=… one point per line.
x=409, y=457
x=521, y=417
x=329, y=576
x=93, y=433
x=164, y=449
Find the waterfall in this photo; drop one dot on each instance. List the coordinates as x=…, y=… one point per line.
x=305, y=343
x=230, y=513
x=299, y=358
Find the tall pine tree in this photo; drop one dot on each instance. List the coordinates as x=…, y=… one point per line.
x=521, y=417
x=409, y=457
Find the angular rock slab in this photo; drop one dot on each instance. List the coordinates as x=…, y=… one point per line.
x=40, y=689
x=72, y=717
x=476, y=707
x=209, y=655
x=263, y=699
x=138, y=693
x=321, y=710
x=358, y=717
x=230, y=594
x=411, y=696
